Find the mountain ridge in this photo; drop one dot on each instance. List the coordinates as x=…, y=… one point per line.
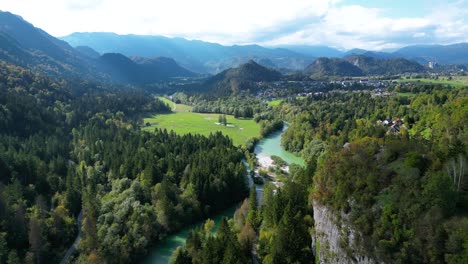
x=24, y=45
x=209, y=57
x=360, y=65
x=195, y=55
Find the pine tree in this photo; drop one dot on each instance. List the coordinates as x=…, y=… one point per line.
x=252, y=215
x=13, y=257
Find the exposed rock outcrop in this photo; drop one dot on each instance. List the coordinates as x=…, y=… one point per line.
x=335, y=243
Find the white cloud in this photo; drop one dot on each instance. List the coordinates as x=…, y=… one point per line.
x=248, y=21
x=352, y=26
x=162, y=17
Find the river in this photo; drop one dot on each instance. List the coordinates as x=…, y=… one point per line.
x=265, y=148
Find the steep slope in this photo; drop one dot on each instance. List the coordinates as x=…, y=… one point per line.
x=87, y=51
x=372, y=66
x=141, y=70
x=23, y=44
x=322, y=67
x=195, y=55
x=162, y=67
x=358, y=65
x=241, y=78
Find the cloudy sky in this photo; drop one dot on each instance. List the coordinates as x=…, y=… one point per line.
x=344, y=24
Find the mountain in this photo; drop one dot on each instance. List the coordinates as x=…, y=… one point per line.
x=24, y=45
x=354, y=52
x=195, y=55
x=323, y=67
x=374, y=66
x=87, y=51
x=141, y=70
x=314, y=51
x=379, y=55
x=241, y=78
x=449, y=54
x=359, y=65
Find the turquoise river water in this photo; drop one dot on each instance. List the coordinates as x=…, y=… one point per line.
x=267, y=147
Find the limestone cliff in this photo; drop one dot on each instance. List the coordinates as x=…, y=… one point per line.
x=335, y=241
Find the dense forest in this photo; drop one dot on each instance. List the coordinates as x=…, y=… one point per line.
x=391, y=168
x=68, y=146
x=384, y=181
x=394, y=166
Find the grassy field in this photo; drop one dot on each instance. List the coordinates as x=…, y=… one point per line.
x=457, y=81
x=275, y=102
x=183, y=122
x=411, y=95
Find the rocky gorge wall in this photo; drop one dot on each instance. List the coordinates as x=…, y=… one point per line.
x=333, y=242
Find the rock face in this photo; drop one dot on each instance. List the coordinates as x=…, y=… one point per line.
x=336, y=243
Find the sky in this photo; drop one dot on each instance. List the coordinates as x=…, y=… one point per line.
x=343, y=24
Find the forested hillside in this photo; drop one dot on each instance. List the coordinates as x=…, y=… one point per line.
x=70, y=146
x=242, y=78
x=385, y=182
x=402, y=187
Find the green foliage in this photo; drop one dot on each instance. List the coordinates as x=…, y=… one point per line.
x=242, y=78
x=204, y=247
x=190, y=177
x=67, y=145
x=222, y=120
x=397, y=206
x=284, y=236
x=253, y=215
x=323, y=67
x=13, y=257
x=402, y=192
x=278, y=161
x=180, y=256
x=267, y=127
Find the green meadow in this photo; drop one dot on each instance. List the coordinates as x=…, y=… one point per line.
x=182, y=121
x=456, y=81
x=275, y=102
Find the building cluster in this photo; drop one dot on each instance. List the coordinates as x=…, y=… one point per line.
x=393, y=126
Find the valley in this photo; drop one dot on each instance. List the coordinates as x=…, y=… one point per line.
x=127, y=148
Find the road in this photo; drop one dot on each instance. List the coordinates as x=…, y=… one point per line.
x=77, y=240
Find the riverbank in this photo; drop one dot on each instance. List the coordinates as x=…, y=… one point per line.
x=264, y=149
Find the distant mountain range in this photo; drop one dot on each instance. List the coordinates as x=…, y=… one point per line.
x=24, y=45
x=209, y=57
x=423, y=54
x=195, y=55
x=360, y=65
x=145, y=60
x=141, y=70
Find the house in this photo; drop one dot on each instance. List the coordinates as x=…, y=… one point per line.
x=395, y=126
x=394, y=129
